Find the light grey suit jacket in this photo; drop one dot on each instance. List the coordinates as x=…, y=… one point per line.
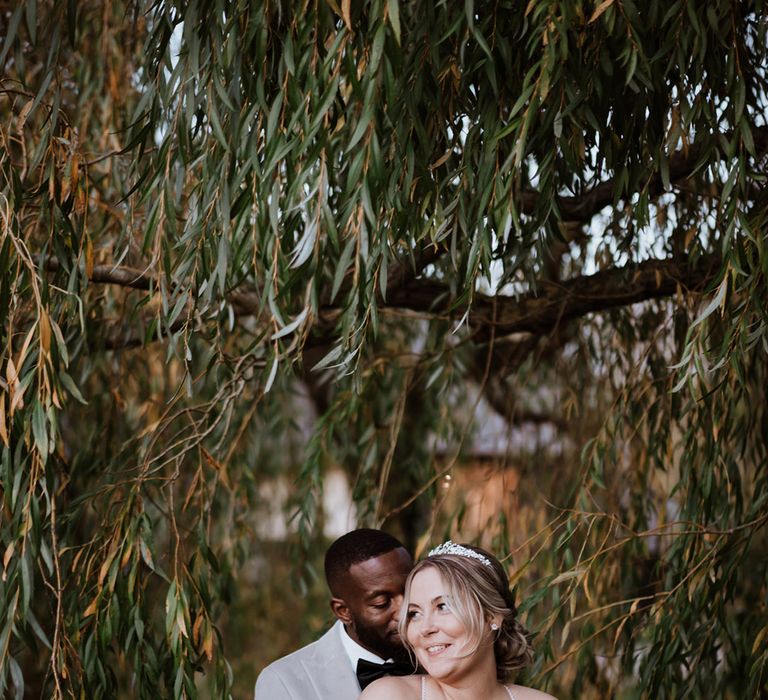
x=318, y=671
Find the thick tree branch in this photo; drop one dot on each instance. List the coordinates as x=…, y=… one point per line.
x=543, y=318
x=402, y=280
x=557, y=302
x=409, y=269
x=681, y=166
x=578, y=210
x=539, y=312
x=112, y=274
x=560, y=302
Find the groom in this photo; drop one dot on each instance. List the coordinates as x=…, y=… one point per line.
x=366, y=571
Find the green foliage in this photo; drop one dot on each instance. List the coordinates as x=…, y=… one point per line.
x=242, y=244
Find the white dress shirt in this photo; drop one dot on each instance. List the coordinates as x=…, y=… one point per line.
x=353, y=650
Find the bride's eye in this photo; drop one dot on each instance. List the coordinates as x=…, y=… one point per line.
x=411, y=614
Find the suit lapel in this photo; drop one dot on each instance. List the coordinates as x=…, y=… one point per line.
x=329, y=670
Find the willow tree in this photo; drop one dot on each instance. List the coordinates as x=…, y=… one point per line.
x=399, y=209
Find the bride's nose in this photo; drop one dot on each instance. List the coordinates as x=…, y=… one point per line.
x=427, y=627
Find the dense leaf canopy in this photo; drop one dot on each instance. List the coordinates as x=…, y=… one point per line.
x=244, y=244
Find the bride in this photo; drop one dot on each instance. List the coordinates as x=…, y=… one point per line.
x=459, y=620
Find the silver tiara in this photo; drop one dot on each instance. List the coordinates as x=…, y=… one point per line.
x=450, y=547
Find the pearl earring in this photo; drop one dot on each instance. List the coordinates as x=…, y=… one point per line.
x=494, y=626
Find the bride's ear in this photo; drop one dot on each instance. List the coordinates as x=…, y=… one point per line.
x=341, y=610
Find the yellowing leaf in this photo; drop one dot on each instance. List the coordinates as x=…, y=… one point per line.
x=76, y=559
x=441, y=160
x=107, y=562
x=618, y=632
x=182, y=625
x=45, y=331
x=529, y=7
x=126, y=554
x=567, y=575
x=80, y=200
x=8, y=554
x=146, y=554
x=88, y=257
x=23, y=114
x=91, y=609
x=66, y=189
x=11, y=375
x=15, y=388
x=196, y=629
x=585, y=584
x=758, y=640
x=55, y=398
x=75, y=169
x=345, y=8
x=3, y=428
x=602, y=7
x=208, y=642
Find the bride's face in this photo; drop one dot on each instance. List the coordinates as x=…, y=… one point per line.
x=439, y=639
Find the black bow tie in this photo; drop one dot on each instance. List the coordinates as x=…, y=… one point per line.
x=368, y=672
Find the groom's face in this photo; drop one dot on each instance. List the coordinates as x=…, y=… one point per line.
x=370, y=602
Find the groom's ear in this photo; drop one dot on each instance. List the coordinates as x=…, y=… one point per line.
x=341, y=610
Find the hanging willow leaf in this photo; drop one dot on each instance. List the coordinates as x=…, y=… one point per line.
x=495, y=271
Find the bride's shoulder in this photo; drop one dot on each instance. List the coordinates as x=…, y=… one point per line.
x=393, y=688
x=523, y=693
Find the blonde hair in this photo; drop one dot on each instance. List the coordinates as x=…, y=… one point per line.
x=477, y=593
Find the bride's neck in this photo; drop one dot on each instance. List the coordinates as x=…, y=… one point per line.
x=480, y=684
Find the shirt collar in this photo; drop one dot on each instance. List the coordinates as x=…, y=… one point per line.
x=353, y=650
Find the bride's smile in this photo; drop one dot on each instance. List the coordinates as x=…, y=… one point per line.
x=438, y=637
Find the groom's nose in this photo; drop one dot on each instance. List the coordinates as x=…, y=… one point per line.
x=397, y=603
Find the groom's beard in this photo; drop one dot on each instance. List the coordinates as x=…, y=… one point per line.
x=387, y=646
